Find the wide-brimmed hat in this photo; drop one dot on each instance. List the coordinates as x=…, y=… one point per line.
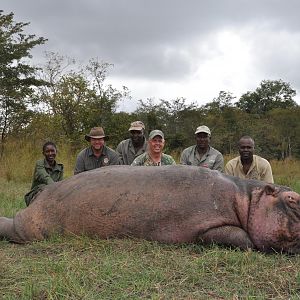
x=204, y=129
x=137, y=125
x=155, y=133
x=96, y=133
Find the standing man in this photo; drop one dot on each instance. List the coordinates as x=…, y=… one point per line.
x=154, y=155
x=248, y=165
x=202, y=154
x=97, y=155
x=136, y=145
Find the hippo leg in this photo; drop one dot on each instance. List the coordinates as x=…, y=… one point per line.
x=7, y=229
x=227, y=235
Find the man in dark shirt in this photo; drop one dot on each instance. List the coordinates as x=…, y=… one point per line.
x=97, y=155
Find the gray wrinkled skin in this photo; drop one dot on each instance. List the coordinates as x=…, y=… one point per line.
x=170, y=204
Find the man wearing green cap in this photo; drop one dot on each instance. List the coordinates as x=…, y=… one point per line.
x=136, y=145
x=202, y=154
x=154, y=155
x=97, y=155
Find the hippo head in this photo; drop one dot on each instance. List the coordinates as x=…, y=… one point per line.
x=274, y=219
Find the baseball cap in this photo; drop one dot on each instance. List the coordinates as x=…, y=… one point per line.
x=156, y=132
x=137, y=125
x=204, y=129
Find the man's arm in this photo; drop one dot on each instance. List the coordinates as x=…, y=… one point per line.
x=41, y=175
x=79, y=166
x=219, y=163
x=120, y=153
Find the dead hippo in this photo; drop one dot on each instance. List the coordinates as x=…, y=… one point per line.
x=171, y=204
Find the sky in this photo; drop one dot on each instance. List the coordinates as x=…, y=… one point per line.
x=168, y=49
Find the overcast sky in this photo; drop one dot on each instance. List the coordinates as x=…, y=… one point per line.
x=165, y=49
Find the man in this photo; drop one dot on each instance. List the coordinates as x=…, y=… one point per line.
x=97, y=155
x=202, y=154
x=154, y=155
x=136, y=145
x=248, y=165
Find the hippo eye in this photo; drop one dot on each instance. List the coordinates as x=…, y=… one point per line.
x=291, y=200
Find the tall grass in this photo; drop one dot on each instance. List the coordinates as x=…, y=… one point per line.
x=20, y=156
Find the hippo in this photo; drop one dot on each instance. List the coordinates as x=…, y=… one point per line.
x=168, y=204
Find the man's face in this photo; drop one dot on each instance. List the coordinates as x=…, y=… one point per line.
x=156, y=144
x=202, y=140
x=97, y=144
x=246, y=149
x=137, y=136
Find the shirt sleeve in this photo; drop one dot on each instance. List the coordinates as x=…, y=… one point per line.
x=219, y=163
x=79, y=166
x=173, y=162
x=119, y=152
x=41, y=175
x=115, y=159
x=183, y=158
x=268, y=176
x=229, y=169
x=61, y=175
x=139, y=161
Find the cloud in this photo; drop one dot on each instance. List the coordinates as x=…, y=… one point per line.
x=173, y=48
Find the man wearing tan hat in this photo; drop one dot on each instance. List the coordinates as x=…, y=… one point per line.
x=97, y=155
x=136, y=145
x=154, y=155
x=202, y=154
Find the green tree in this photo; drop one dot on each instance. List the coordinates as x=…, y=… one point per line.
x=269, y=95
x=287, y=124
x=79, y=94
x=17, y=76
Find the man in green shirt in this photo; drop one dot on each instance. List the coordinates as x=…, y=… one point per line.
x=154, y=155
x=136, y=145
x=97, y=155
x=46, y=171
x=202, y=154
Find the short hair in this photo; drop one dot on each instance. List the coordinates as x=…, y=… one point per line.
x=49, y=143
x=246, y=137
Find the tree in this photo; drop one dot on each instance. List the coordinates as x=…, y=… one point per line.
x=269, y=95
x=286, y=123
x=17, y=77
x=78, y=94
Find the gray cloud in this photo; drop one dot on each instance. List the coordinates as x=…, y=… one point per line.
x=168, y=40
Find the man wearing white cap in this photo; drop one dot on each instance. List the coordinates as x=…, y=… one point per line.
x=136, y=145
x=154, y=155
x=97, y=155
x=202, y=154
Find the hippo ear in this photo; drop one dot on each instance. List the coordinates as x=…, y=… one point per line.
x=270, y=190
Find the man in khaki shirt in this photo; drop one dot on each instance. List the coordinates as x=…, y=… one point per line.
x=202, y=154
x=248, y=165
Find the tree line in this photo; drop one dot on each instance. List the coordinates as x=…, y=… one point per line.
x=62, y=100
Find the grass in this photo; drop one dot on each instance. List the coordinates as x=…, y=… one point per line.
x=83, y=268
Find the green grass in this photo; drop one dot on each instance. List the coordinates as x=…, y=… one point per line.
x=83, y=268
